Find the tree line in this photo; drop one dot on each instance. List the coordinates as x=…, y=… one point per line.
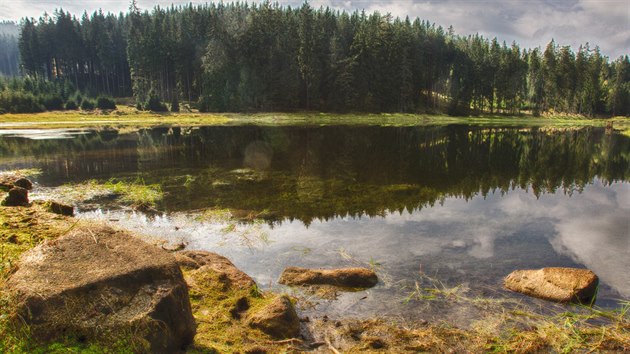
x=9, y=52
x=266, y=57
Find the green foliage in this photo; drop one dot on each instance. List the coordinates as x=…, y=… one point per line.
x=52, y=102
x=88, y=105
x=155, y=104
x=265, y=57
x=19, y=102
x=105, y=103
x=71, y=105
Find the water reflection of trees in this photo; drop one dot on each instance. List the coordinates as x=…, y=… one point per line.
x=330, y=171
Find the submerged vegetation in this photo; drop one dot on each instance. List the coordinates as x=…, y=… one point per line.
x=135, y=193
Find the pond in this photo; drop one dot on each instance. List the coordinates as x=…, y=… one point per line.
x=450, y=207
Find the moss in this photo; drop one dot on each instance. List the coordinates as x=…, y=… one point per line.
x=221, y=316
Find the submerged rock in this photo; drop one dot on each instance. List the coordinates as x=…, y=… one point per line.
x=201, y=259
x=344, y=277
x=278, y=319
x=61, y=209
x=555, y=284
x=103, y=284
x=18, y=196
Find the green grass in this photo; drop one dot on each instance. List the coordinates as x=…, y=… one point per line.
x=130, y=118
x=129, y=192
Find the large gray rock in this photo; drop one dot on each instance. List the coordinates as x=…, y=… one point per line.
x=555, y=284
x=103, y=284
x=344, y=277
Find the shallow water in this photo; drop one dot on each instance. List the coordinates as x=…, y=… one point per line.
x=461, y=205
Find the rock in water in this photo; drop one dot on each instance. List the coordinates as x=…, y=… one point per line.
x=103, y=284
x=555, y=284
x=18, y=196
x=344, y=277
x=62, y=209
x=278, y=319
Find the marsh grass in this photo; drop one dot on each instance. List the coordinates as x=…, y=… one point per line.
x=509, y=325
x=130, y=118
x=133, y=192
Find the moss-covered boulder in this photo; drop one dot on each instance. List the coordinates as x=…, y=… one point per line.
x=103, y=285
x=278, y=318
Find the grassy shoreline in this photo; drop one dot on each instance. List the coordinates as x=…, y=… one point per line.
x=130, y=118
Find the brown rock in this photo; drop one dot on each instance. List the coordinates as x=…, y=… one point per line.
x=24, y=183
x=344, y=277
x=217, y=263
x=62, y=209
x=103, y=284
x=185, y=261
x=555, y=284
x=278, y=319
x=18, y=196
x=9, y=181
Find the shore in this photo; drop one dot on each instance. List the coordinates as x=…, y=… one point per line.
x=127, y=118
x=505, y=327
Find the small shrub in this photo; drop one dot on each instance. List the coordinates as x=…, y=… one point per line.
x=77, y=98
x=71, y=105
x=52, y=102
x=19, y=102
x=105, y=103
x=88, y=105
x=154, y=104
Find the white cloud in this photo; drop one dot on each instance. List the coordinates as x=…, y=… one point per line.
x=530, y=23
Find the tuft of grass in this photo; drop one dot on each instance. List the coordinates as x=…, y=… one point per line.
x=135, y=193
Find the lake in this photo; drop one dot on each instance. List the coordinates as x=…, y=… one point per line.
x=448, y=207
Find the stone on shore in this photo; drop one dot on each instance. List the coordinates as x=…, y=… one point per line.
x=555, y=284
x=102, y=284
x=277, y=319
x=61, y=209
x=202, y=260
x=343, y=277
x=17, y=196
x=9, y=181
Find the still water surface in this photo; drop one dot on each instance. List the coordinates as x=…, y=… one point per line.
x=462, y=205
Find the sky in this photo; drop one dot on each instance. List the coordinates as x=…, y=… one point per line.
x=530, y=23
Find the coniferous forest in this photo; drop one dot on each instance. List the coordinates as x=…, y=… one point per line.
x=266, y=57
